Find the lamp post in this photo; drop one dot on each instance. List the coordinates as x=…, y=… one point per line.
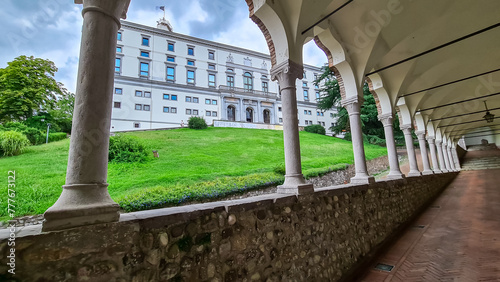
x=47, y=139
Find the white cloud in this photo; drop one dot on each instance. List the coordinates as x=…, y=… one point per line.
x=245, y=34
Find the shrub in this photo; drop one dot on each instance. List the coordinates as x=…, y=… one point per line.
x=315, y=128
x=126, y=149
x=34, y=135
x=12, y=143
x=197, y=123
x=280, y=169
x=57, y=136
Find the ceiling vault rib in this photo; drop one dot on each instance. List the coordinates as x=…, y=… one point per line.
x=479, y=120
x=493, y=127
x=325, y=17
x=459, y=135
x=436, y=48
x=459, y=102
x=482, y=111
x=451, y=82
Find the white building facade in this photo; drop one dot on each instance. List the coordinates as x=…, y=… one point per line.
x=163, y=78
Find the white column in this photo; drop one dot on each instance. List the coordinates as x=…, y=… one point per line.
x=260, y=115
x=411, y=151
x=432, y=149
x=442, y=163
x=456, y=158
x=423, y=153
x=445, y=156
x=362, y=176
x=287, y=73
x=85, y=198
x=243, y=112
x=450, y=157
x=394, y=169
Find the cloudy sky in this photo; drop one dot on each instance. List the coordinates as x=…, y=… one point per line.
x=52, y=29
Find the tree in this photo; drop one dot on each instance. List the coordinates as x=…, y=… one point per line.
x=27, y=86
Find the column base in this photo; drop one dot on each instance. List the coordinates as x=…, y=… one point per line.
x=81, y=204
x=445, y=170
x=295, y=184
x=427, y=172
x=436, y=171
x=414, y=173
x=395, y=175
x=363, y=179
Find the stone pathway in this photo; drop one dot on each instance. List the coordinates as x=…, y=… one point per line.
x=457, y=238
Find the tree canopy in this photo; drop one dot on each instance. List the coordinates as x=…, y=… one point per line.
x=27, y=86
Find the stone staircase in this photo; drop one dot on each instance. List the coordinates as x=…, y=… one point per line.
x=480, y=157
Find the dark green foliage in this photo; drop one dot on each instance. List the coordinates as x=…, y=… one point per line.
x=126, y=149
x=203, y=239
x=57, y=136
x=35, y=136
x=197, y=123
x=12, y=143
x=315, y=128
x=280, y=169
x=185, y=243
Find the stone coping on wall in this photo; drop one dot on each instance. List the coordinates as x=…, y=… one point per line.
x=172, y=215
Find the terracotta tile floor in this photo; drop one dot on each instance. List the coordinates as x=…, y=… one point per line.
x=457, y=238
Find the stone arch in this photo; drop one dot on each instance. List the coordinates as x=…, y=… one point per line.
x=420, y=123
x=382, y=99
x=403, y=113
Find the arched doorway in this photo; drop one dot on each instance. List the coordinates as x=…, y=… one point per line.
x=267, y=116
x=231, y=113
x=249, y=115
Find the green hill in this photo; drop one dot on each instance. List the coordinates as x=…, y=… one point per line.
x=193, y=165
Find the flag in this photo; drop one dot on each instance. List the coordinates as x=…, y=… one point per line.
x=160, y=8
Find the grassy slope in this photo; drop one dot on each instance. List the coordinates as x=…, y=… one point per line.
x=187, y=158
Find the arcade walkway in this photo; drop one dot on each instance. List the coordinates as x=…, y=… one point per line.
x=458, y=237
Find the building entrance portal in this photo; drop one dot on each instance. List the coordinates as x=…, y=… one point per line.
x=231, y=113
x=249, y=115
x=267, y=116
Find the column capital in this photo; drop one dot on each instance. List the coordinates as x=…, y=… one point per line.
x=286, y=73
x=351, y=104
x=438, y=142
x=431, y=139
x=386, y=119
x=406, y=128
x=114, y=9
x=420, y=134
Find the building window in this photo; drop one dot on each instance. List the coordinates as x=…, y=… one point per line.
x=230, y=81
x=145, y=41
x=188, y=99
x=305, y=76
x=137, y=125
x=316, y=86
x=309, y=112
x=117, y=105
x=305, y=112
x=248, y=81
x=317, y=113
x=211, y=66
x=138, y=93
x=331, y=115
x=191, y=51
x=170, y=46
x=146, y=107
x=322, y=114
x=214, y=114
x=173, y=97
x=304, y=84
x=265, y=86
x=306, y=95
x=196, y=100
x=170, y=74
x=188, y=111
x=209, y=113
x=119, y=36
x=317, y=95
x=147, y=94
x=195, y=112
x=214, y=102
x=138, y=107
x=118, y=49
x=118, y=64
x=211, y=80
x=190, y=77
x=144, y=54
x=281, y=120
x=118, y=91
x=166, y=97
x=144, y=69
x=166, y=109
x=207, y=101
x=190, y=62
x=173, y=110
x=279, y=109
x=211, y=55
x=171, y=59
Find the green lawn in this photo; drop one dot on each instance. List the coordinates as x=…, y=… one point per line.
x=193, y=164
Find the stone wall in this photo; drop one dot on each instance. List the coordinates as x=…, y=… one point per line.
x=316, y=237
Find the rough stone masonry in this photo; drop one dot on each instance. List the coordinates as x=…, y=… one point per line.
x=316, y=237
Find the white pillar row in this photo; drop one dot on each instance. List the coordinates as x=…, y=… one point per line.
x=287, y=73
x=439, y=148
x=450, y=157
x=432, y=149
x=85, y=199
x=456, y=158
x=423, y=153
x=411, y=151
x=445, y=156
x=394, y=169
x=362, y=176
